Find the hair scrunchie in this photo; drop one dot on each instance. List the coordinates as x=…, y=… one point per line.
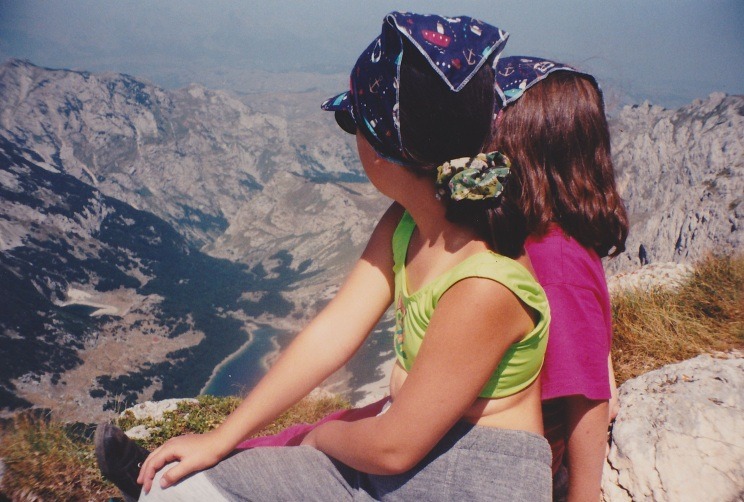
x=473, y=178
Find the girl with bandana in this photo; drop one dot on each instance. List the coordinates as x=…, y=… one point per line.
x=464, y=419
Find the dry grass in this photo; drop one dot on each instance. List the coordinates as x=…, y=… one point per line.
x=659, y=327
x=44, y=460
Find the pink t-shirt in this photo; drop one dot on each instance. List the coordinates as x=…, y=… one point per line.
x=581, y=319
x=580, y=327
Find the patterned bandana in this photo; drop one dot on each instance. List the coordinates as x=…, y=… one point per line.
x=456, y=48
x=516, y=74
x=473, y=178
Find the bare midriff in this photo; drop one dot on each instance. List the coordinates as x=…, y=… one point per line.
x=521, y=411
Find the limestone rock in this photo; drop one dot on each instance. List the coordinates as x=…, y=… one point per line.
x=138, y=432
x=679, y=436
x=155, y=409
x=681, y=175
x=668, y=275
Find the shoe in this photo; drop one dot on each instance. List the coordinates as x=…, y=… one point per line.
x=119, y=458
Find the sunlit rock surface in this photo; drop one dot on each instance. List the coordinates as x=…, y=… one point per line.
x=678, y=435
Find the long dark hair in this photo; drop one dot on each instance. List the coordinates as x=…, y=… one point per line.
x=438, y=125
x=557, y=137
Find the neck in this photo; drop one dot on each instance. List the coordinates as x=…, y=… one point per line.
x=417, y=195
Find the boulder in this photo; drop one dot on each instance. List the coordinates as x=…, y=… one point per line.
x=679, y=434
x=666, y=276
x=155, y=409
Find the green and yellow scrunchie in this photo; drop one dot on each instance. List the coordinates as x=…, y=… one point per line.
x=474, y=178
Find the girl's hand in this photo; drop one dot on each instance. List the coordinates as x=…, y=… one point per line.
x=194, y=452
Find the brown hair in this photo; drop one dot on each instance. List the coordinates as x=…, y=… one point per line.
x=438, y=125
x=557, y=138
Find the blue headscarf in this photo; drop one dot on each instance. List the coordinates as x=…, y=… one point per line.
x=455, y=47
x=516, y=74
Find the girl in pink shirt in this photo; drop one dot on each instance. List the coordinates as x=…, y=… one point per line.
x=552, y=125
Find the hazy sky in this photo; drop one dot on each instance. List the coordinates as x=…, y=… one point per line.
x=667, y=51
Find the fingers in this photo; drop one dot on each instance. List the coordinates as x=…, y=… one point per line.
x=175, y=473
x=154, y=462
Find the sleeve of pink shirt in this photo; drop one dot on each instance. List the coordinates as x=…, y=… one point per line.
x=578, y=345
x=581, y=321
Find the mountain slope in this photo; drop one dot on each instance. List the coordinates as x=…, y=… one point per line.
x=200, y=159
x=681, y=174
x=104, y=304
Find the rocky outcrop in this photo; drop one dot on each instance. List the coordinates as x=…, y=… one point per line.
x=668, y=275
x=681, y=174
x=154, y=410
x=678, y=435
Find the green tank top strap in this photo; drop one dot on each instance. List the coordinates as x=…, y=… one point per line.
x=401, y=238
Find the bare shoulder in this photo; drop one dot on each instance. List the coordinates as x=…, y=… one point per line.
x=485, y=303
x=390, y=218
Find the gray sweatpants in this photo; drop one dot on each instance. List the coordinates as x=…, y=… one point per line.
x=470, y=463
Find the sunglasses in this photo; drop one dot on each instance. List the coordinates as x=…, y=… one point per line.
x=345, y=121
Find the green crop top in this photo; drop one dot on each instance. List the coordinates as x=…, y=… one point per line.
x=521, y=363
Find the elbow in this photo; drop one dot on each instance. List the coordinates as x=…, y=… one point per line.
x=395, y=450
x=397, y=461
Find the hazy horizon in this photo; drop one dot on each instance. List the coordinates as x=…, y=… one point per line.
x=667, y=52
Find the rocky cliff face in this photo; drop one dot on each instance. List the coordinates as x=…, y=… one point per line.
x=240, y=183
x=681, y=174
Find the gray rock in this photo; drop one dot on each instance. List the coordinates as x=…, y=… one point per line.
x=138, y=432
x=155, y=409
x=679, y=434
x=681, y=175
x=667, y=276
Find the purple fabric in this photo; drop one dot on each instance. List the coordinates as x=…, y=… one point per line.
x=293, y=436
x=581, y=318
